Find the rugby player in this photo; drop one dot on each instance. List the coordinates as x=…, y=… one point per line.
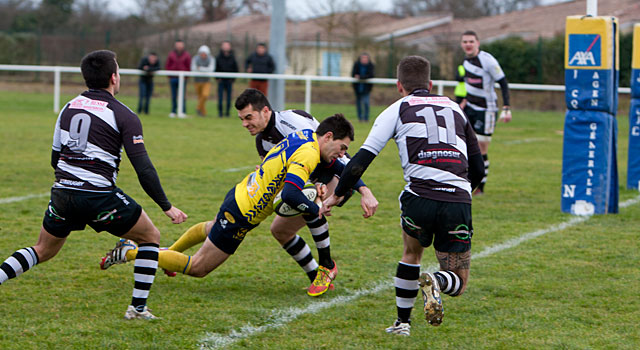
x=270, y=127
x=441, y=161
x=482, y=71
x=287, y=167
x=89, y=134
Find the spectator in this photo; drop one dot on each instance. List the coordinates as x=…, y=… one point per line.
x=260, y=62
x=203, y=62
x=178, y=60
x=225, y=62
x=363, y=69
x=148, y=64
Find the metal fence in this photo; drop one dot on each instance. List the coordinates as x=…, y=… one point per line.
x=438, y=84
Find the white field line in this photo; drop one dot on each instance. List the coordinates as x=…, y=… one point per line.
x=232, y=170
x=22, y=198
x=280, y=317
x=521, y=141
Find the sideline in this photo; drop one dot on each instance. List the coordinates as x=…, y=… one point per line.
x=22, y=198
x=280, y=317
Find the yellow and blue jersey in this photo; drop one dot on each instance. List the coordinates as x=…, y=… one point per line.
x=291, y=160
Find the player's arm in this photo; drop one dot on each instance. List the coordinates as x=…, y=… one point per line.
x=368, y=201
x=383, y=129
x=56, y=147
x=147, y=174
x=299, y=168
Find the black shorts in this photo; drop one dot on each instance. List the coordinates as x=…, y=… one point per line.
x=447, y=224
x=72, y=210
x=230, y=226
x=483, y=122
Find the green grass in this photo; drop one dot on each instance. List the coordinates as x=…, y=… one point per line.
x=571, y=289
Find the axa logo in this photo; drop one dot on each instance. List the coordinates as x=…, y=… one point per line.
x=584, y=50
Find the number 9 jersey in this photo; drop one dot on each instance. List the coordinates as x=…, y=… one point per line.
x=90, y=133
x=434, y=139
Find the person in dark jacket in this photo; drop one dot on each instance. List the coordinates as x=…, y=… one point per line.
x=363, y=69
x=260, y=62
x=148, y=64
x=225, y=62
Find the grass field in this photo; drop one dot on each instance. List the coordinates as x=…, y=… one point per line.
x=562, y=287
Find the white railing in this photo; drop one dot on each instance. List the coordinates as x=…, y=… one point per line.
x=439, y=84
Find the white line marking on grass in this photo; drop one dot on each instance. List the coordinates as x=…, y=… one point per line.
x=232, y=170
x=22, y=198
x=280, y=317
x=521, y=141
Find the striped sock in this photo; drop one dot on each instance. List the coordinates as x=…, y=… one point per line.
x=19, y=262
x=485, y=157
x=406, y=283
x=144, y=272
x=300, y=252
x=449, y=282
x=319, y=229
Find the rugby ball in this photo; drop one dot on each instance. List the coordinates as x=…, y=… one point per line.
x=283, y=209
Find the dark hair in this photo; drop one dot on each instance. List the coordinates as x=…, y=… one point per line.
x=97, y=68
x=178, y=40
x=252, y=97
x=261, y=44
x=338, y=125
x=470, y=32
x=414, y=72
x=153, y=54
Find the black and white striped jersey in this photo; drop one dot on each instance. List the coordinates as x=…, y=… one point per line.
x=90, y=133
x=282, y=124
x=481, y=74
x=434, y=140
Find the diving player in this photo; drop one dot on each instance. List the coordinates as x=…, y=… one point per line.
x=286, y=167
x=270, y=127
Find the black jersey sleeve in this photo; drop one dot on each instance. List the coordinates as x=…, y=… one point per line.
x=131, y=133
x=55, y=155
x=354, y=170
x=504, y=88
x=148, y=178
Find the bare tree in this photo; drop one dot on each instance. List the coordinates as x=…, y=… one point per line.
x=215, y=10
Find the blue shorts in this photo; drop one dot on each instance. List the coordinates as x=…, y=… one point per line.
x=230, y=225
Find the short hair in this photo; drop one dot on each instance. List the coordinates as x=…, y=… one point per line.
x=252, y=97
x=261, y=44
x=97, y=68
x=153, y=54
x=470, y=32
x=339, y=125
x=414, y=72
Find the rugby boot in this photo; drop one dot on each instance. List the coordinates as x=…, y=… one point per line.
x=433, y=309
x=117, y=255
x=323, y=280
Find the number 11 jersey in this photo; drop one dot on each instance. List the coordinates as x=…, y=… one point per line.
x=434, y=139
x=90, y=133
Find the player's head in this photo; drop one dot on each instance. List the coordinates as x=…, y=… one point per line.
x=470, y=43
x=334, y=136
x=254, y=110
x=414, y=72
x=100, y=70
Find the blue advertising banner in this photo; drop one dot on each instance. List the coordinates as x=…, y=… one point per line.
x=589, y=169
x=633, y=164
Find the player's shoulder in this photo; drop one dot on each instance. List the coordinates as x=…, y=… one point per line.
x=487, y=57
x=295, y=119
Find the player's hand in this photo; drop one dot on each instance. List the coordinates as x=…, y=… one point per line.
x=368, y=202
x=329, y=203
x=505, y=115
x=322, y=191
x=176, y=215
x=463, y=104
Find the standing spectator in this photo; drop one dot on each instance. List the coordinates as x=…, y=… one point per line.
x=260, y=62
x=225, y=62
x=203, y=62
x=482, y=71
x=178, y=60
x=148, y=64
x=363, y=69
